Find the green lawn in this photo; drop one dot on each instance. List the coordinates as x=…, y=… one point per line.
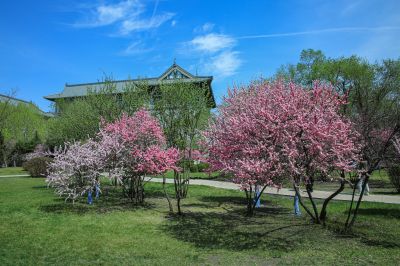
x=379, y=183
x=196, y=175
x=36, y=227
x=12, y=171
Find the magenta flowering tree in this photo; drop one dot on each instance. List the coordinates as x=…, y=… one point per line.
x=268, y=131
x=76, y=169
x=135, y=147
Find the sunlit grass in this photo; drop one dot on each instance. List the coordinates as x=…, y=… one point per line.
x=36, y=227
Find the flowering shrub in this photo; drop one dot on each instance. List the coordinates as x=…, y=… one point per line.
x=135, y=147
x=76, y=169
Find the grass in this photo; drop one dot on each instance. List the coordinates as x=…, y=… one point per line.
x=12, y=171
x=36, y=227
x=379, y=183
x=196, y=175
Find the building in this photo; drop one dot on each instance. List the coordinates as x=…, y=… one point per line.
x=172, y=74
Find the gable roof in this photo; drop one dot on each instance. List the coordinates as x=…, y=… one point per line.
x=173, y=73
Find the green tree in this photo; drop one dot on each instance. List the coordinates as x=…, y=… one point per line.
x=80, y=118
x=183, y=110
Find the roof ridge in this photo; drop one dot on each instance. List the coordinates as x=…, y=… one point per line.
x=102, y=82
x=16, y=99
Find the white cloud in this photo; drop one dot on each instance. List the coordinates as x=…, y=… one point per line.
x=104, y=15
x=135, y=24
x=212, y=42
x=215, y=52
x=128, y=15
x=173, y=23
x=207, y=27
x=224, y=64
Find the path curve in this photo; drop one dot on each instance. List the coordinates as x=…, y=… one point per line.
x=283, y=191
x=286, y=192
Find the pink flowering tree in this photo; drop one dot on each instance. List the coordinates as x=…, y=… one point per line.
x=135, y=147
x=268, y=131
x=76, y=169
x=321, y=139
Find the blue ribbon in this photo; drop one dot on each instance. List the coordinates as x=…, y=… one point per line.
x=89, y=199
x=296, y=205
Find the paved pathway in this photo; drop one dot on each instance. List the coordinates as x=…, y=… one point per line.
x=288, y=192
x=14, y=175
x=284, y=191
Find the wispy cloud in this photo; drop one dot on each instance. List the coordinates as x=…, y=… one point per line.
x=128, y=15
x=212, y=42
x=135, y=24
x=224, y=64
x=136, y=48
x=206, y=27
x=103, y=15
x=328, y=30
x=350, y=7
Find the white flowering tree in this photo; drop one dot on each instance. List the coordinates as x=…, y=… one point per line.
x=76, y=169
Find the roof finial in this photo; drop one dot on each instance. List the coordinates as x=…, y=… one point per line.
x=174, y=61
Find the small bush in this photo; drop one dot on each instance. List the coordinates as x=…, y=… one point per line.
x=394, y=175
x=202, y=166
x=194, y=168
x=37, y=166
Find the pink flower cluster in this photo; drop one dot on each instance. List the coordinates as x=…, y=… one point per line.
x=132, y=144
x=270, y=130
x=137, y=143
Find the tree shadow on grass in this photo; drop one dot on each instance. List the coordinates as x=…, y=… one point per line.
x=239, y=200
x=40, y=187
x=233, y=230
x=267, y=207
x=395, y=193
x=390, y=213
x=111, y=200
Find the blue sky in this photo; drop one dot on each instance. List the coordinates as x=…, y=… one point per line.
x=44, y=44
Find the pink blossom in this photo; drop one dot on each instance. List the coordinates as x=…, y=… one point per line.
x=267, y=131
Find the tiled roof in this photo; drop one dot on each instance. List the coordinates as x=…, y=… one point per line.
x=79, y=90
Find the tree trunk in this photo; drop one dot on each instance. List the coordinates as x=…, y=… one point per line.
x=178, y=190
x=359, y=202
x=316, y=220
x=322, y=216
x=178, y=203
x=249, y=198
x=171, y=210
x=296, y=189
x=257, y=198
x=351, y=204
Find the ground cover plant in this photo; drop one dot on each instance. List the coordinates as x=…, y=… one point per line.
x=37, y=226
